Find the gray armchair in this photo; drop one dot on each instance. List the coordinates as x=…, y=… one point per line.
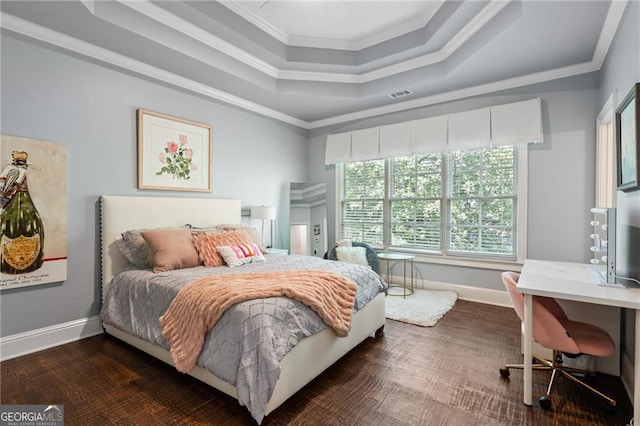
x=372, y=256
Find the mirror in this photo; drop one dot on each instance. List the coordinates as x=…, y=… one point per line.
x=308, y=218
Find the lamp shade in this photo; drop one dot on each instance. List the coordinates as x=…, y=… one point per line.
x=263, y=212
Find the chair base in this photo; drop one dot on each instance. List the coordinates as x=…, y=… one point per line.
x=557, y=369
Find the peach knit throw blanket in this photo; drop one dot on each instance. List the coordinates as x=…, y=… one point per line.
x=200, y=304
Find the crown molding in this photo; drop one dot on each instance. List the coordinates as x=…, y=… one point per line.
x=416, y=23
x=174, y=22
x=48, y=36
x=486, y=14
x=194, y=32
x=609, y=28
x=315, y=190
x=482, y=89
x=480, y=20
x=249, y=15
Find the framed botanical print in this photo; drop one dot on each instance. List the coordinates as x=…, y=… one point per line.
x=173, y=153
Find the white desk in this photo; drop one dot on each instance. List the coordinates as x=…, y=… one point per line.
x=573, y=281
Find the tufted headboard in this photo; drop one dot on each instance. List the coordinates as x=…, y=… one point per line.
x=122, y=213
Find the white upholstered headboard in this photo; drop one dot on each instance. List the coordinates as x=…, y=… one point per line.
x=121, y=213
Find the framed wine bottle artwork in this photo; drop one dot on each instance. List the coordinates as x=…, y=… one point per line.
x=33, y=212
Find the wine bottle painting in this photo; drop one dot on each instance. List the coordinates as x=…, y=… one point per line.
x=32, y=212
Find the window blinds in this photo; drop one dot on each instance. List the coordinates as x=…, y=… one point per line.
x=509, y=124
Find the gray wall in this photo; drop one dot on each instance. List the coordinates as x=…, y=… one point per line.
x=55, y=96
x=620, y=72
x=561, y=173
x=90, y=108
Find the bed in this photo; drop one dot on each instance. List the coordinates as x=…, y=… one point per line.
x=313, y=348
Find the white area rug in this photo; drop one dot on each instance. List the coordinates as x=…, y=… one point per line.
x=423, y=308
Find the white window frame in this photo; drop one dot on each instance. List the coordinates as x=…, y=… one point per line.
x=522, y=160
x=605, y=191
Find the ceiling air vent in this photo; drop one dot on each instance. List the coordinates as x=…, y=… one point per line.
x=400, y=93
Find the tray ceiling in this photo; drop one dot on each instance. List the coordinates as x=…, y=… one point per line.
x=317, y=63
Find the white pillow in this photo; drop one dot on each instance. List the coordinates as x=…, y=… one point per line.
x=357, y=255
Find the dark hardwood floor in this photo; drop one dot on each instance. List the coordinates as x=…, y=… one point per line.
x=443, y=375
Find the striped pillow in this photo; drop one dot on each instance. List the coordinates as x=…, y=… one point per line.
x=239, y=255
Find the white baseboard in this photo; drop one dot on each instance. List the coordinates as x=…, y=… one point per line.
x=473, y=294
x=44, y=338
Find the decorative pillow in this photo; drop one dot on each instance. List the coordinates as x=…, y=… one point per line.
x=171, y=249
x=207, y=245
x=239, y=255
x=250, y=230
x=344, y=243
x=135, y=249
x=210, y=229
x=357, y=255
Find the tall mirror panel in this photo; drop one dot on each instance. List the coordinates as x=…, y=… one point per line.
x=308, y=218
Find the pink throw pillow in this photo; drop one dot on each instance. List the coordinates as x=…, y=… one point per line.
x=207, y=245
x=171, y=249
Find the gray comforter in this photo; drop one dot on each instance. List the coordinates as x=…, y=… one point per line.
x=245, y=347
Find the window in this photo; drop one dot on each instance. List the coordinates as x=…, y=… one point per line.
x=456, y=204
x=363, y=202
x=415, y=201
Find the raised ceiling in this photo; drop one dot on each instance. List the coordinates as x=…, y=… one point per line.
x=317, y=63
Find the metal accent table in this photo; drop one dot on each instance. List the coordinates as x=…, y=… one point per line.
x=407, y=288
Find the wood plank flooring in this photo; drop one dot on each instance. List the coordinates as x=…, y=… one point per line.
x=443, y=375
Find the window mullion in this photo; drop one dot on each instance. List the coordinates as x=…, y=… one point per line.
x=444, y=202
x=386, y=206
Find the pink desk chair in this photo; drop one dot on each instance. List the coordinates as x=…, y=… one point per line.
x=553, y=330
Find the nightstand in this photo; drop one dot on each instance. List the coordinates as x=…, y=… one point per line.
x=278, y=251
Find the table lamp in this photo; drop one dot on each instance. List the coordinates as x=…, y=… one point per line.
x=265, y=213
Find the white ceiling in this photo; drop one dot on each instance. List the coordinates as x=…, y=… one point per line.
x=317, y=63
x=335, y=24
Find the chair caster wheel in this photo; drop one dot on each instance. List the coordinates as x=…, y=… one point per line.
x=505, y=373
x=545, y=402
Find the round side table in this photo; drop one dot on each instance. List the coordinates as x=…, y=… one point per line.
x=406, y=286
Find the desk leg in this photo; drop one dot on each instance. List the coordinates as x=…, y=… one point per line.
x=636, y=367
x=528, y=338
